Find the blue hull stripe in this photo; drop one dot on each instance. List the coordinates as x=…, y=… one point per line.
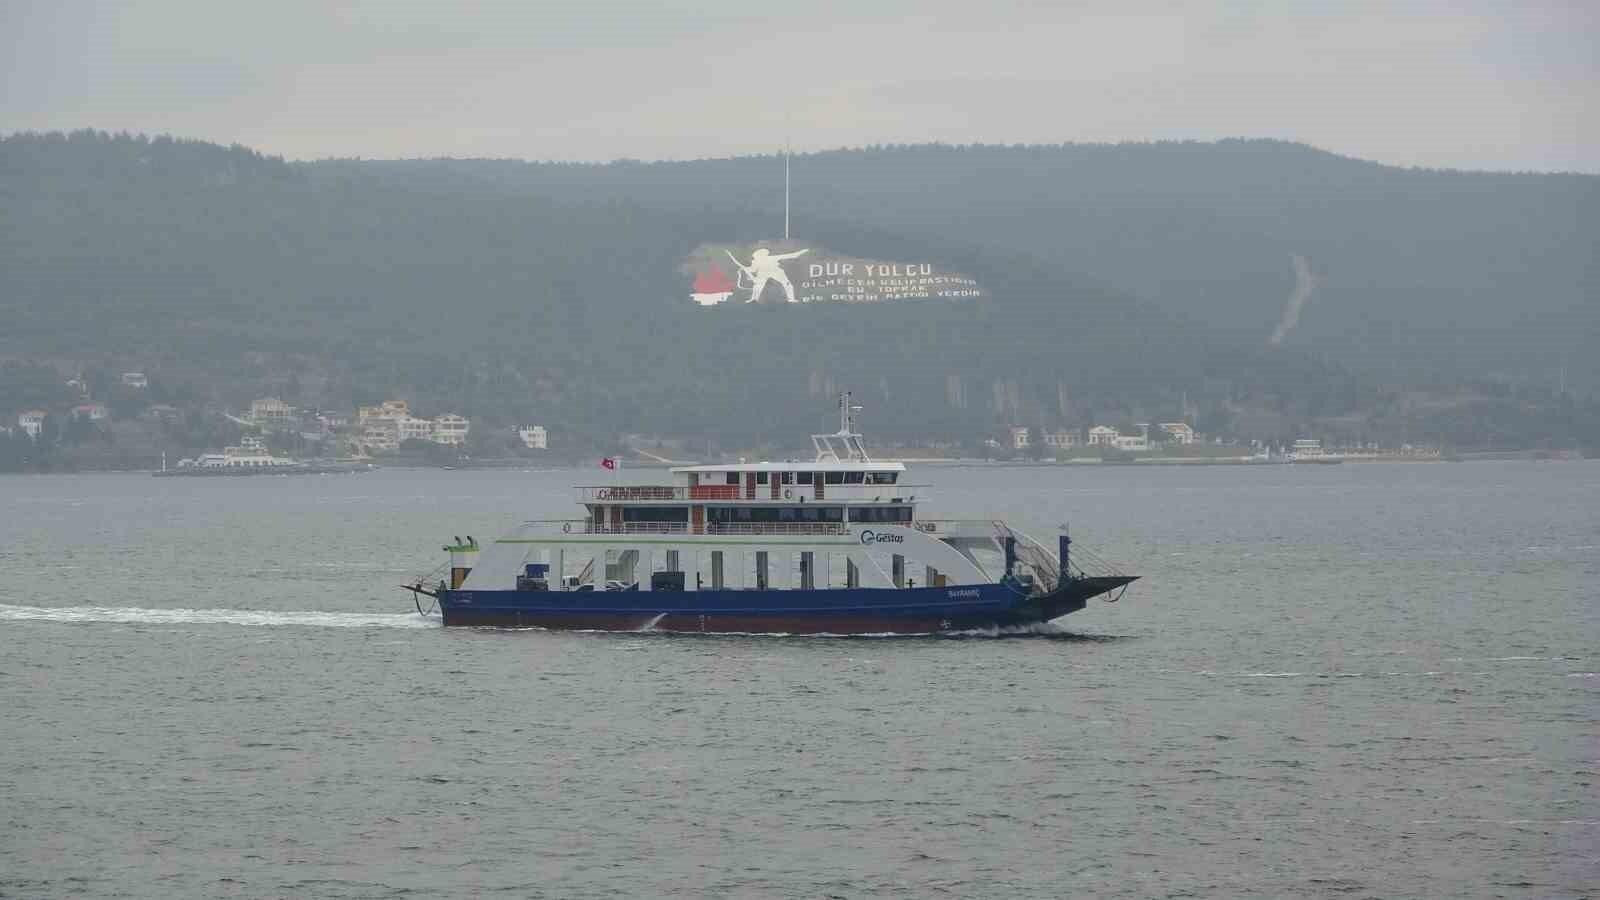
x=913, y=603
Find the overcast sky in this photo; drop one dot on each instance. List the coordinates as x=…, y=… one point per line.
x=1505, y=85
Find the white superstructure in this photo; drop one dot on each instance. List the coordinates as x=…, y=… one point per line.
x=841, y=519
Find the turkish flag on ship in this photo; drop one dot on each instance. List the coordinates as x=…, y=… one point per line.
x=608, y=463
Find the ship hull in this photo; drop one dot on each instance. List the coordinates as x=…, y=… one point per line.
x=825, y=611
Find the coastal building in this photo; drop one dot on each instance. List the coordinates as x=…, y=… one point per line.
x=534, y=437
x=270, y=412
x=1063, y=439
x=94, y=412
x=1177, y=432
x=379, y=435
x=411, y=428
x=32, y=422
x=451, y=429
x=1019, y=437
x=135, y=380
x=1103, y=436
x=388, y=409
x=1134, y=442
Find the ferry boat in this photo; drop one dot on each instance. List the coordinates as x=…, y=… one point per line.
x=834, y=545
x=251, y=457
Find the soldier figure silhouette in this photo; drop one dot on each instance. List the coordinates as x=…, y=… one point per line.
x=765, y=266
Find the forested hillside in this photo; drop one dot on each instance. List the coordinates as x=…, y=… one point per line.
x=1419, y=274
x=511, y=291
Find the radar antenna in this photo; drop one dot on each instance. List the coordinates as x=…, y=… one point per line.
x=846, y=439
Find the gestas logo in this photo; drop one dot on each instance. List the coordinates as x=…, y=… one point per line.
x=872, y=537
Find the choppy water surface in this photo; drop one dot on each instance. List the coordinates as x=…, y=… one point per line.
x=1358, y=680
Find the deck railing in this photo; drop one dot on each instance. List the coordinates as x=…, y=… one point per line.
x=625, y=493
x=715, y=528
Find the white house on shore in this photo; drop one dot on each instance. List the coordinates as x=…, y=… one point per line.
x=1063, y=439
x=1135, y=442
x=1103, y=436
x=1019, y=437
x=1177, y=432
x=534, y=437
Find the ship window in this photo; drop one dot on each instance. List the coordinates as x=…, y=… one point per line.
x=733, y=477
x=882, y=477
x=786, y=514
x=833, y=514
x=805, y=477
x=833, y=477
x=655, y=514
x=854, y=477
x=788, y=478
x=761, y=478
x=880, y=514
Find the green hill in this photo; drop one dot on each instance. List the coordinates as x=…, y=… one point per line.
x=512, y=290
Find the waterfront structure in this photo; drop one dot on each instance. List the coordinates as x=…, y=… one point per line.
x=135, y=380
x=411, y=428
x=93, y=412
x=451, y=429
x=1019, y=437
x=380, y=435
x=1134, y=442
x=1103, y=436
x=534, y=437
x=1062, y=439
x=833, y=544
x=1178, y=432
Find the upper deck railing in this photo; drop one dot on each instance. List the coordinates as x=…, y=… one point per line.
x=714, y=528
x=763, y=493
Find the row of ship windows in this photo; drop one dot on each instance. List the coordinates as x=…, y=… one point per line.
x=895, y=513
x=824, y=477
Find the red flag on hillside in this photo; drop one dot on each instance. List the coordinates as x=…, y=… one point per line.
x=608, y=463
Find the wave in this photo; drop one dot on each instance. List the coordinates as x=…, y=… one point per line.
x=132, y=615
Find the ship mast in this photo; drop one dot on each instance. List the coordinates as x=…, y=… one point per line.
x=846, y=439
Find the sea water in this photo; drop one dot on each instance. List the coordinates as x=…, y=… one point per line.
x=1355, y=680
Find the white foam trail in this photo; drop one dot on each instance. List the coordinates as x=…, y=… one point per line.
x=651, y=625
x=132, y=615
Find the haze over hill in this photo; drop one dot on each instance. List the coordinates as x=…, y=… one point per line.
x=1124, y=282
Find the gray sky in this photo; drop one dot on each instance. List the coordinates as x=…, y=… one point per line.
x=1507, y=85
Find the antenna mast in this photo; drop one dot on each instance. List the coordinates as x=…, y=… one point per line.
x=846, y=439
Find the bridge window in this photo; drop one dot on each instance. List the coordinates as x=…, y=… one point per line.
x=804, y=477
x=833, y=477
x=855, y=477
x=761, y=478
x=733, y=478
x=788, y=478
x=882, y=477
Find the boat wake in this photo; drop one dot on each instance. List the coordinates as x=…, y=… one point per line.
x=129, y=615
